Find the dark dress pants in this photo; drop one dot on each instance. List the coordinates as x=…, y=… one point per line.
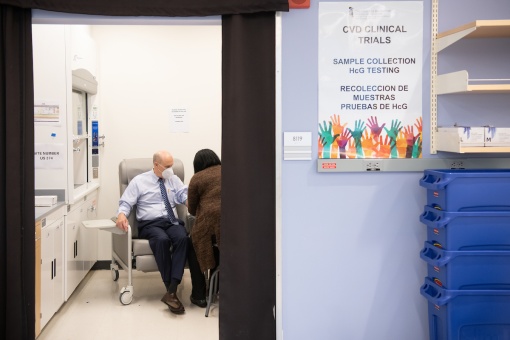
x=197, y=277
x=169, y=243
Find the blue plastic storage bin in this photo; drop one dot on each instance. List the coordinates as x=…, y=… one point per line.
x=467, y=314
x=467, y=190
x=478, y=269
x=471, y=230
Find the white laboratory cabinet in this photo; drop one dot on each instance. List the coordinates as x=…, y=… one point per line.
x=67, y=150
x=49, y=293
x=80, y=242
x=52, y=273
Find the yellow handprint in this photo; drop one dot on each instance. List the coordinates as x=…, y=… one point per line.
x=401, y=144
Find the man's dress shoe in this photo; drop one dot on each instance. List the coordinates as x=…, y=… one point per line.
x=172, y=301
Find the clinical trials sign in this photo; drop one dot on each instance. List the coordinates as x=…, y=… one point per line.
x=370, y=79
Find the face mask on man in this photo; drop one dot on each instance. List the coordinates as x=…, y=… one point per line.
x=167, y=173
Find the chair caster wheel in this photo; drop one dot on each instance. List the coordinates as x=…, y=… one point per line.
x=115, y=274
x=126, y=297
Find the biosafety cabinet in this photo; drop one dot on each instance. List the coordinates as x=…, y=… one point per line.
x=68, y=141
x=68, y=147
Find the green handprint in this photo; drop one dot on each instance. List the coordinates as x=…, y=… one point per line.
x=417, y=148
x=393, y=134
x=357, y=134
x=326, y=139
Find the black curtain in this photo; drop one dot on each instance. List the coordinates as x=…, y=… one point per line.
x=17, y=241
x=248, y=159
x=171, y=8
x=248, y=268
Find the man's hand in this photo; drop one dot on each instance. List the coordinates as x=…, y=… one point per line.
x=122, y=222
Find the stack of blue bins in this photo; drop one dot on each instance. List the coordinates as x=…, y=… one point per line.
x=467, y=252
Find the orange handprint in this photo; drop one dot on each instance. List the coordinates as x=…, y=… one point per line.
x=419, y=128
x=419, y=125
x=384, y=147
x=369, y=147
x=351, y=150
x=409, y=135
x=321, y=146
x=410, y=140
x=338, y=128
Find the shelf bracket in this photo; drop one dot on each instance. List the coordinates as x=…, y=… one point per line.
x=444, y=42
x=453, y=82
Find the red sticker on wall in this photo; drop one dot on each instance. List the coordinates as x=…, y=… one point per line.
x=329, y=165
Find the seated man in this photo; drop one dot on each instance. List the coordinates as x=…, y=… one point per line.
x=155, y=193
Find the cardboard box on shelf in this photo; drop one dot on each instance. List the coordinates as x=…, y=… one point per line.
x=465, y=135
x=497, y=136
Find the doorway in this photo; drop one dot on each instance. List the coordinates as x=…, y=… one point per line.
x=248, y=65
x=143, y=70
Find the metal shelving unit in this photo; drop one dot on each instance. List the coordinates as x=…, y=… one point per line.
x=459, y=81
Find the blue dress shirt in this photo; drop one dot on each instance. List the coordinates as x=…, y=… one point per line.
x=144, y=191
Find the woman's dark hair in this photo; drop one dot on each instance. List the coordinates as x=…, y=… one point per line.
x=205, y=158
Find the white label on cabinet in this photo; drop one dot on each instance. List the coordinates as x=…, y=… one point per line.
x=49, y=156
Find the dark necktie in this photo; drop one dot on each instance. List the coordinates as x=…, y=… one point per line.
x=170, y=212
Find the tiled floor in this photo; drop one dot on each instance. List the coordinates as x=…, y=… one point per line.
x=94, y=312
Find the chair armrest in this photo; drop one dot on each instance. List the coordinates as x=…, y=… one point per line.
x=122, y=247
x=183, y=214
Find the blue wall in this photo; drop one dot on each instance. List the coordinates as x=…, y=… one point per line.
x=351, y=241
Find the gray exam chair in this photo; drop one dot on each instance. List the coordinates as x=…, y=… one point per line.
x=127, y=249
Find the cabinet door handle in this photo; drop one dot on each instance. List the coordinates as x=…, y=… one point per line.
x=55, y=267
x=52, y=270
x=74, y=249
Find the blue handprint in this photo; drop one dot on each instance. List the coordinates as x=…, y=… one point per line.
x=326, y=139
x=359, y=127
